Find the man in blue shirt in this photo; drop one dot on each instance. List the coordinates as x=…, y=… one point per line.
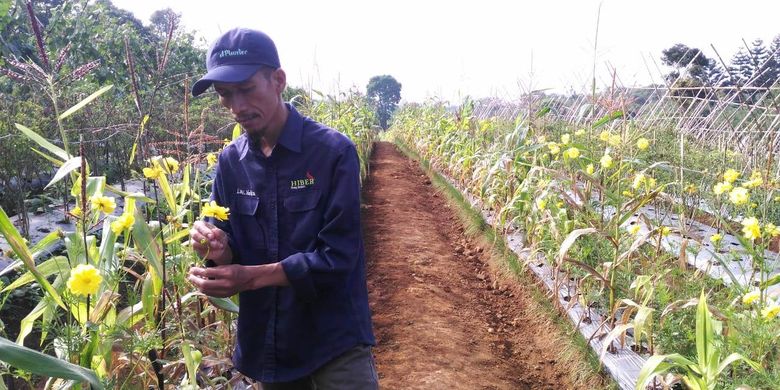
x=292, y=246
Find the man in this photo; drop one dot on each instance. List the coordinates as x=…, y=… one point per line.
x=292, y=246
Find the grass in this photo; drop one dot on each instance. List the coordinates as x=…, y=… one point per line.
x=586, y=369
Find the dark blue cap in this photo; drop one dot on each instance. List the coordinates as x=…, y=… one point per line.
x=236, y=56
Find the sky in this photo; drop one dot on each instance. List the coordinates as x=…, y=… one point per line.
x=451, y=49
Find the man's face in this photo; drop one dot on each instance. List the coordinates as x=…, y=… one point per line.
x=255, y=102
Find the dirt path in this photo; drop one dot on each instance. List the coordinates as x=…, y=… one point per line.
x=441, y=320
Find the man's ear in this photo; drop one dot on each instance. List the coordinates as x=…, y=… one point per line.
x=280, y=80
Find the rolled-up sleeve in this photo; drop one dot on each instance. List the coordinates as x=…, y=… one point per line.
x=339, y=244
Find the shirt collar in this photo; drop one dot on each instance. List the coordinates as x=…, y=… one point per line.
x=290, y=137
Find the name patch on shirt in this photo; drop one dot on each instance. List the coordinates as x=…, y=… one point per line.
x=245, y=192
x=305, y=182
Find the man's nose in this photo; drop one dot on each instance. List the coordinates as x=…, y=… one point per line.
x=237, y=104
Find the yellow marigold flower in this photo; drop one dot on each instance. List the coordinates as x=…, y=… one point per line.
x=614, y=140
x=211, y=159
x=634, y=229
x=171, y=164
x=214, y=210
x=604, y=136
x=771, y=230
x=590, y=169
x=579, y=132
x=565, y=139
x=739, y=196
x=642, y=143
x=541, y=204
x=554, y=148
x=751, y=297
x=770, y=312
x=722, y=188
x=124, y=222
x=571, y=153
x=665, y=231
x=730, y=175
x=716, y=238
x=105, y=204
x=750, y=228
x=628, y=193
x=606, y=161
x=76, y=212
x=84, y=280
x=152, y=173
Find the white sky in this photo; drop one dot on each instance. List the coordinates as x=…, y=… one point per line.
x=450, y=49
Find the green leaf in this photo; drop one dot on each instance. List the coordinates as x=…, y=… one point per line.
x=58, y=264
x=704, y=332
x=147, y=244
x=236, y=132
x=56, y=150
x=224, y=304
x=138, y=138
x=39, y=363
x=84, y=102
x=65, y=169
x=14, y=239
x=608, y=118
x=569, y=241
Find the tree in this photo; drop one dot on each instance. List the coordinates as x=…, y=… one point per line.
x=384, y=93
x=689, y=61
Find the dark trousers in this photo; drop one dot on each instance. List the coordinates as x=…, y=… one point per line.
x=353, y=370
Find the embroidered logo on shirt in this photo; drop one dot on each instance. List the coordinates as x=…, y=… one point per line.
x=298, y=184
x=245, y=192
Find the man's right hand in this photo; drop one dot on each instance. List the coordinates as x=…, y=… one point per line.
x=210, y=242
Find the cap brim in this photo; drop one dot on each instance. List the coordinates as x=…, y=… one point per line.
x=224, y=74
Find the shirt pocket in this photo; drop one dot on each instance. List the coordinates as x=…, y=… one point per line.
x=304, y=218
x=250, y=235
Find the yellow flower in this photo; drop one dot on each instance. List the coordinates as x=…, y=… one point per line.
x=579, y=132
x=771, y=230
x=152, y=173
x=606, y=161
x=638, y=181
x=105, y=204
x=590, y=169
x=225, y=142
x=541, y=139
x=76, y=212
x=770, y=312
x=739, y=196
x=751, y=297
x=541, y=204
x=665, y=230
x=628, y=193
x=84, y=280
x=716, y=238
x=634, y=229
x=614, y=140
x=691, y=189
x=642, y=143
x=565, y=139
x=604, y=136
x=755, y=180
x=171, y=164
x=750, y=228
x=554, y=148
x=215, y=211
x=124, y=222
x=722, y=188
x=211, y=159
x=730, y=175
x=571, y=153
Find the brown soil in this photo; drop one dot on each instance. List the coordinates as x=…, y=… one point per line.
x=443, y=317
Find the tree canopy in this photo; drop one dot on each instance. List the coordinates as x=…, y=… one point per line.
x=384, y=93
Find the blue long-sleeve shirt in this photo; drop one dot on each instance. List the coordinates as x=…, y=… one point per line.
x=301, y=207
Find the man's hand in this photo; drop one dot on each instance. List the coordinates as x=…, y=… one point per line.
x=228, y=280
x=210, y=242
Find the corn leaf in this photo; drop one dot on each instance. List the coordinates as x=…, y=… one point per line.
x=224, y=304
x=607, y=118
x=84, y=102
x=39, y=363
x=14, y=239
x=138, y=138
x=58, y=264
x=569, y=241
x=56, y=150
x=69, y=166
